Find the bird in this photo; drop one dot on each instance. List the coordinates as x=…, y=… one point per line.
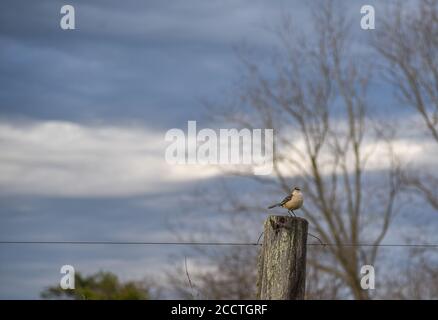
x=292, y=202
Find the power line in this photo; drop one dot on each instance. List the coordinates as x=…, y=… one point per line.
x=193, y=243
x=133, y=243
x=421, y=245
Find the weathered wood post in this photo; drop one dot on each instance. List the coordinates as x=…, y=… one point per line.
x=282, y=259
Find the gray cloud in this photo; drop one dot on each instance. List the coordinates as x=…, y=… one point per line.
x=144, y=61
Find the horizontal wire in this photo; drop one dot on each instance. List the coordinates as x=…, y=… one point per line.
x=133, y=243
x=424, y=245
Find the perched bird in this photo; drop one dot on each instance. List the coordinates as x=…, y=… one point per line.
x=292, y=202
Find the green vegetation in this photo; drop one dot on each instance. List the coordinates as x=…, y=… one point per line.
x=99, y=286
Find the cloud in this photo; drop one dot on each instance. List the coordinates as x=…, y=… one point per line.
x=157, y=59
x=411, y=145
x=59, y=158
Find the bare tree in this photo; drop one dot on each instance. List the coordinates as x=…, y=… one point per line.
x=317, y=102
x=417, y=279
x=408, y=41
x=321, y=284
x=315, y=98
x=230, y=274
x=215, y=272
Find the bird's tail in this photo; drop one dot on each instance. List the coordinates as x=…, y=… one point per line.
x=274, y=205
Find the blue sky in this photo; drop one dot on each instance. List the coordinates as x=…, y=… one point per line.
x=83, y=115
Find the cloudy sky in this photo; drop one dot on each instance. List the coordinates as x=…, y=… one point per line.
x=83, y=114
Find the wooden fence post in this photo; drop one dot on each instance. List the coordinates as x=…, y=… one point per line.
x=282, y=259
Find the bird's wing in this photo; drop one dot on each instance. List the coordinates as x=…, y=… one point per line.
x=286, y=199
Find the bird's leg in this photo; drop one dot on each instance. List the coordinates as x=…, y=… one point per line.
x=288, y=211
x=294, y=213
